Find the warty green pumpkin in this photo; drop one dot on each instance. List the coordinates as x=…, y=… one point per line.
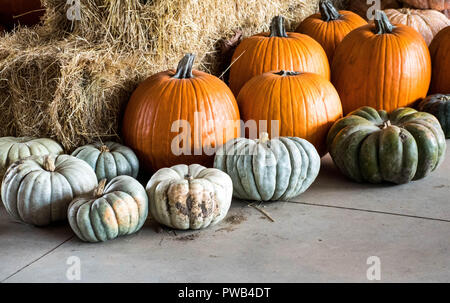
x=13, y=149
x=439, y=106
x=38, y=189
x=269, y=170
x=109, y=159
x=374, y=146
x=189, y=197
x=112, y=210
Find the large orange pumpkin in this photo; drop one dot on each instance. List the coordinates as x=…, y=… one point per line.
x=427, y=22
x=305, y=105
x=330, y=26
x=440, y=56
x=24, y=12
x=275, y=51
x=173, y=115
x=382, y=66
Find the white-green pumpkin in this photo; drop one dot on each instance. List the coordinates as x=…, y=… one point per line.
x=109, y=160
x=269, y=170
x=37, y=190
x=189, y=197
x=118, y=209
x=13, y=149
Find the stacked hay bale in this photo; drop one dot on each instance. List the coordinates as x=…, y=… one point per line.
x=70, y=80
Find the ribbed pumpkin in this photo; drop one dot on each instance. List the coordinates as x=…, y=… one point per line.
x=109, y=159
x=330, y=26
x=440, y=50
x=160, y=118
x=13, y=149
x=428, y=4
x=39, y=189
x=427, y=22
x=276, y=50
x=269, y=170
x=189, y=197
x=439, y=106
x=118, y=209
x=373, y=146
x=24, y=12
x=382, y=66
x=305, y=104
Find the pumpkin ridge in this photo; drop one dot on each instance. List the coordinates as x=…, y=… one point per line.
x=119, y=199
x=72, y=215
x=19, y=216
x=93, y=213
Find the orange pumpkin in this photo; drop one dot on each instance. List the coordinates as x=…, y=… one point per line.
x=305, y=104
x=275, y=51
x=427, y=22
x=173, y=115
x=23, y=12
x=330, y=26
x=440, y=56
x=382, y=66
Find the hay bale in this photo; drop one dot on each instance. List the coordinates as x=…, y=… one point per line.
x=71, y=82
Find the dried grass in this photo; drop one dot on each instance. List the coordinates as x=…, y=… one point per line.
x=71, y=82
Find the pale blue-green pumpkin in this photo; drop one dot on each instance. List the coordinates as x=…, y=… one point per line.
x=37, y=190
x=269, y=170
x=13, y=149
x=109, y=159
x=112, y=210
x=189, y=197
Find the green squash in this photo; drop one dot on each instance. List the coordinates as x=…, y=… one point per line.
x=269, y=170
x=38, y=189
x=439, y=106
x=118, y=209
x=13, y=149
x=109, y=160
x=373, y=146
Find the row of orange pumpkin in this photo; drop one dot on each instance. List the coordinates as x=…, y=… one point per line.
x=380, y=65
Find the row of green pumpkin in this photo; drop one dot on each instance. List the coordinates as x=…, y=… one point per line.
x=44, y=186
x=96, y=191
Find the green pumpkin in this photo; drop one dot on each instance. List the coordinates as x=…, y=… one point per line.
x=269, y=170
x=13, y=149
x=38, y=189
x=189, y=197
x=109, y=160
x=373, y=146
x=439, y=106
x=117, y=209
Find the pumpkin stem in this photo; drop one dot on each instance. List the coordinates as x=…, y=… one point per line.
x=382, y=23
x=263, y=137
x=386, y=124
x=104, y=149
x=184, y=69
x=49, y=163
x=98, y=192
x=327, y=11
x=277, y=28
x=285, y=73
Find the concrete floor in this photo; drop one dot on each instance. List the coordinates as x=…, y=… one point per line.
x=325, y=235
